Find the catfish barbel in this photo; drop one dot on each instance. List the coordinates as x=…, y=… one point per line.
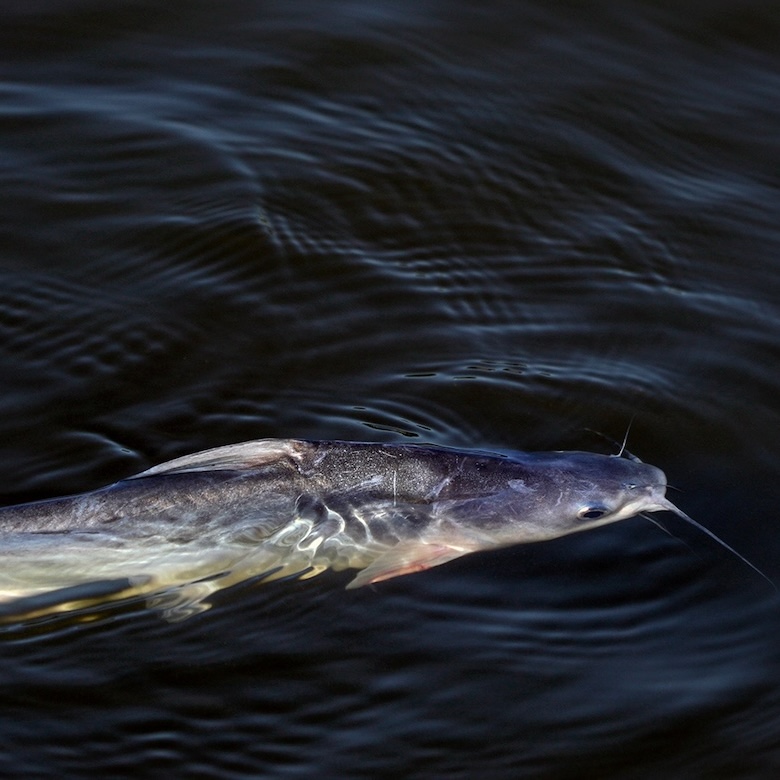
x=277, y=508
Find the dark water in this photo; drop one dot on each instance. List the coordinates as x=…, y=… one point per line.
x=482, y=225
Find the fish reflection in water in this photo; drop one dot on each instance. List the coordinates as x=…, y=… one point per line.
x=272, y=509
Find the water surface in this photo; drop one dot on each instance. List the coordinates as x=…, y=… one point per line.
x=490, y=226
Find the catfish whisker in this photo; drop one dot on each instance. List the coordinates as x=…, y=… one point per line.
x=668, y=505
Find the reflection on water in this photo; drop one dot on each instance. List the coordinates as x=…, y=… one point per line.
x=490, y=226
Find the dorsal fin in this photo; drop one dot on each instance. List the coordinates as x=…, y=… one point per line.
x=232, y=457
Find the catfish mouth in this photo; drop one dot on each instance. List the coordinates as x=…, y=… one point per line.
x=653, y=500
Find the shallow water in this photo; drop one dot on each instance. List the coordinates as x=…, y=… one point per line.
x=490, y=226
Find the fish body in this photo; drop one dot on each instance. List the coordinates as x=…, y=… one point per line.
x=294, y=508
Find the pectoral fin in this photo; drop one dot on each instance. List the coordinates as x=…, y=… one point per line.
x=406, y=559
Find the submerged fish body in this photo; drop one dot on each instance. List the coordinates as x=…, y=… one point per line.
x=293, y=508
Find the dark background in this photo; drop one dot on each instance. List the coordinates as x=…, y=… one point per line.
x=492, y=225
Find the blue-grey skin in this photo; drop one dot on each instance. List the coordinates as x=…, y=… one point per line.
x=281, y=508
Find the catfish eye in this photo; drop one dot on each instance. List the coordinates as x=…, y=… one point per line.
x=592, y=512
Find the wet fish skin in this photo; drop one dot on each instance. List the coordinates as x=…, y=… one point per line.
x=197, y=524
